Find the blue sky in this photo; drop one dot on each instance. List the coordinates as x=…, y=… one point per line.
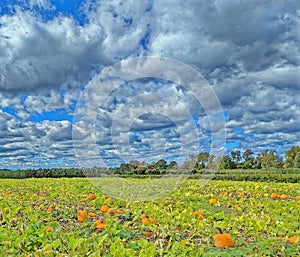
x=50, y=50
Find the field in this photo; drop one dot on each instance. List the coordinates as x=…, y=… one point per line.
x=56, y=217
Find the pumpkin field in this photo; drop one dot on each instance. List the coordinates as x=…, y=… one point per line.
x=72, y=217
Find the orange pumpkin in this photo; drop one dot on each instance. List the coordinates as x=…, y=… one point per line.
x=92, y=197
x=145, y=221
x=92, y=214
x=104, y=208
x=284, y=196
x=97, y=222
x=224, y=194
x=223, y=240
x=111, y=211
x=197, y=212
x=49, y=229
x=151, y=220
x=200, y=214
x=49, y=210
x=212, y=201
x=82, y=215
x=294, y=239
x=119, y=212
x=148, y=233
x=143, y=216
x=100, y=226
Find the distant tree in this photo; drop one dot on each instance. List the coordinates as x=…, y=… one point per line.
x=297, y=160
x=161, y=164
x=249, y=163
x=214, y=161
x=202, y=160
x=290, y=156
x=227, y=163
x=236, y=156
x=190, y=164
x=172, y=164
x=289, y=162
x=257, y=162
x=122, y=169
x=270, y=159
x=248, y=154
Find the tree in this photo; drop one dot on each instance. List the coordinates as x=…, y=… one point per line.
x=172, y=164
x=290, y=156
x=191, y=164
x=297, y=160
x=248, y=155
x=236, y=156
x=160, y=165
x=226, y=163
x=214, y=161
x=270, y=159
x=202, y=159
x=257, y=162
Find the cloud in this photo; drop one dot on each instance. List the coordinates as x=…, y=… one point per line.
x=141, y=124
x=217, y=33
x=248, y=51
x=38, y=56
x=44, y=4
x=34, y=144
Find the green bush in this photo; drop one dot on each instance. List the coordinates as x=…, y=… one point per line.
x=278, y=175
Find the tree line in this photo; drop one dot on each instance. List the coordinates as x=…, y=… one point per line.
x=248, y=160
x=194, y=164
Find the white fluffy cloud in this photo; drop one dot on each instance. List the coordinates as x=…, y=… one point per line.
x=31, y=144
x=248, y=51
x=37, y=55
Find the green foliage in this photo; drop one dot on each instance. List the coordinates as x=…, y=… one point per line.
x=263, y=175
x=248, y=155
x=297, y=160
x=226, y=163
x=290, y=156
x=195, y=164
x=42, y=173
x=270, y=159
x=259, y=225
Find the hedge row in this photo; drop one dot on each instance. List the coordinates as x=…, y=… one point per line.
x=263, y=177
x=291, y=175
x=42, y=173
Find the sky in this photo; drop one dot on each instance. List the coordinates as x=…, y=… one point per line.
x=51, y=50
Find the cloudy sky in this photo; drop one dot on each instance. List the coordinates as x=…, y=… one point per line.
x=51, y=50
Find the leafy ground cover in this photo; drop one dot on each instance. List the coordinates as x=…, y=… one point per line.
x=71, y=217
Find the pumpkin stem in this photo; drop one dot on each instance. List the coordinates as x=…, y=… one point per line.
x=220, y=230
